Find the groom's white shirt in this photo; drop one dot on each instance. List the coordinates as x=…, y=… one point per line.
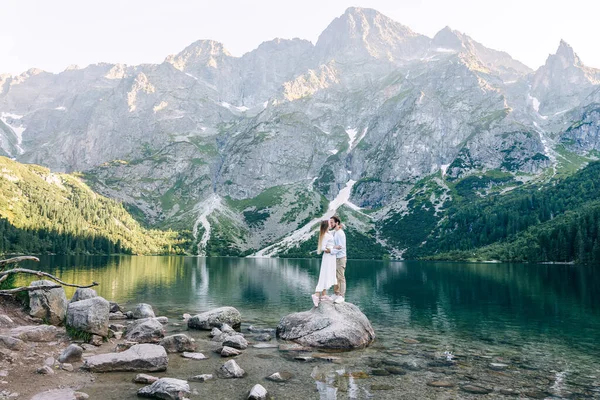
x=339, y=238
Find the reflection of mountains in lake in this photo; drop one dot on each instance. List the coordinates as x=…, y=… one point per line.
x=474, y=298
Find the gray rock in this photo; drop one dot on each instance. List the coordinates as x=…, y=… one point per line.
x=201, y=378
x=60, y=394
x=89, y=315
x=146, y=331
x=265, y=337
x=258, y=392
x=143, y=310
x=49, y=304
x=96, y=340
x=12, y=343
x=116, y=327
x=166, y=388
x=45, y=370
x=194, y=356
x=215, y=332
x=236, y=341
x=266, y=346
x=6, y=321
x=35, y=333
x=476, y=389
x=498, y=366
x=49, y=361
x=162, y=320
x=144, y=378
x=229, y=352
x=66, y=367
x=178, y=343
x=216, y=318
x=231, y=370
x=117, y=316
x=141, y=357
x=226, y=328
x=83, y=294
x=71, y=354
x=129, y=315
x=115, y=307
x=329, y=326
x=282, y=376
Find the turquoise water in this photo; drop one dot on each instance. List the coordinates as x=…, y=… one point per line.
x=543, y=321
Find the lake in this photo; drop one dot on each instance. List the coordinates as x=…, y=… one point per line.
x=540, y=323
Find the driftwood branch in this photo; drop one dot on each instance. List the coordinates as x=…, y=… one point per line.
x=10, y=292
x=41, y=273
x=18, y=259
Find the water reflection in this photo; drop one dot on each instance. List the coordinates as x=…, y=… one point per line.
x=514, y=305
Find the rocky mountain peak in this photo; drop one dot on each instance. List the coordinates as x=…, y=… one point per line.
x=565, y=55
x=366, y=33
x=200, y=53
x=448, y=39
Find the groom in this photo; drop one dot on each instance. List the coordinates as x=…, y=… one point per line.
x=339, y=250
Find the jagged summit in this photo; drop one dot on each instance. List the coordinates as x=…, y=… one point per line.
x=201, y=52
x=566, y=55
x=366, y=33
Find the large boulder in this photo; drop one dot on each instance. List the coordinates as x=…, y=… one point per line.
x=140, y=357
x=216, y=318
x=12, y=343
x=166, y=388
x=328, y=326
x=89, y=315
x=143, y=310
x=35, y=333
x=146, y=331
x=83, y=294
x=48, y=304
x=60, y=394
x=178, y=343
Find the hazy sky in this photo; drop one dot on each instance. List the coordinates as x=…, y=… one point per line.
x=52, y=34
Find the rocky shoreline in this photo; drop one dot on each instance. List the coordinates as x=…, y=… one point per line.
x=218, y=354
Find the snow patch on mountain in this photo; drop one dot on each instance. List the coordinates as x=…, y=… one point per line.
x=305, y=232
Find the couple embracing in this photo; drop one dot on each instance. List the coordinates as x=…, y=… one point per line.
x=332, y=243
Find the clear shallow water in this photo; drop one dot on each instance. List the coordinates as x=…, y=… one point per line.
x=541, y=320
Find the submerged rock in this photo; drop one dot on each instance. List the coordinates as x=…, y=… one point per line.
x=143, y=310
x=178, y=343
x=48, y=304
x=166, y=388
x=328, y=326
x=216, y=318
x=231, y=370
x=258, y=392
x=141, y=357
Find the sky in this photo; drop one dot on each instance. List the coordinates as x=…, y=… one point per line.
x=52, y=35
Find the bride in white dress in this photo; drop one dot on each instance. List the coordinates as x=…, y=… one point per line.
x=327, y=276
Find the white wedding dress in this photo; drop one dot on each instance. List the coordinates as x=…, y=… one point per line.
x=327, y=276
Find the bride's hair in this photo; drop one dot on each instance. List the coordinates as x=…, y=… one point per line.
x=323, y=231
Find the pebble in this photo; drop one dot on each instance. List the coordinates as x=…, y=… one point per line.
x=476, y=389
x=411, y=341
x=379, y=372
x=194, y=356
x=66, y=367
x=144, y=378
x=265, y=346
x=381, y=387
x=395, y=370
x=441, y=384
x=282, y=376
x=258, y=392
x=45, y=370
x=201, y=378
x=498, y=366
x=49, y=361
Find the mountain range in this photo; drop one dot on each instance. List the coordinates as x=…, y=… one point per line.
x=373, y=121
